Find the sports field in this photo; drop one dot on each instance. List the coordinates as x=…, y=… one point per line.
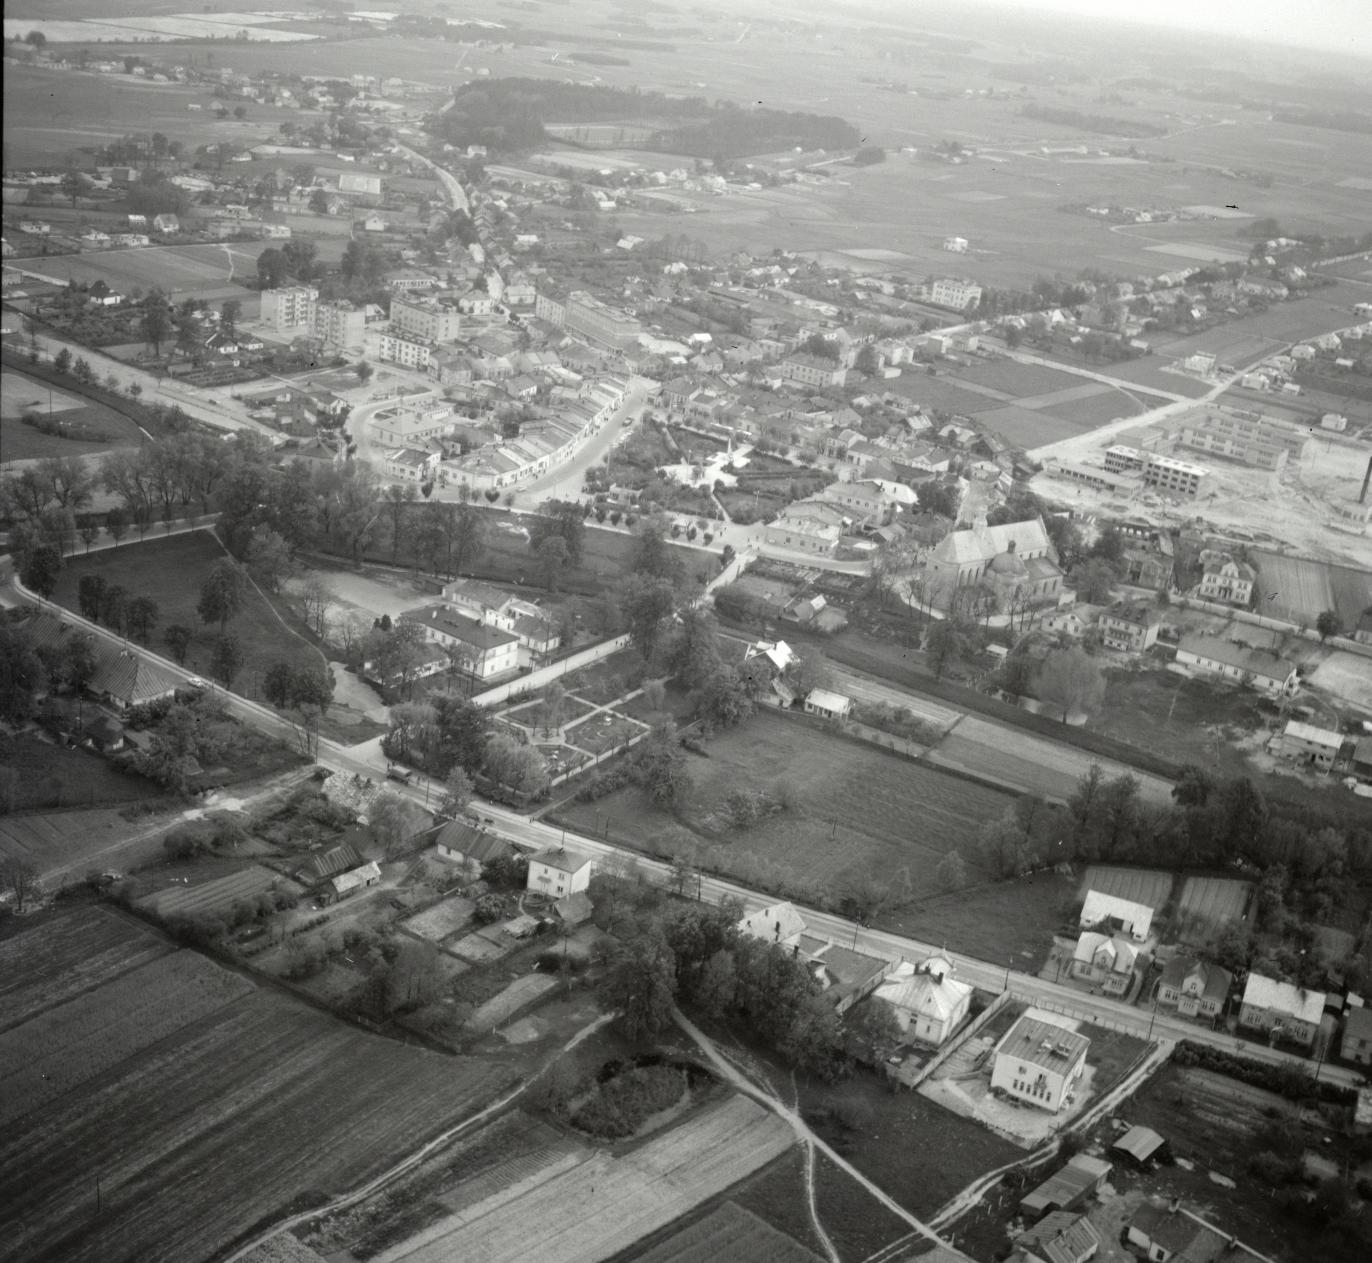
x=202, y=1104
x=208, y=271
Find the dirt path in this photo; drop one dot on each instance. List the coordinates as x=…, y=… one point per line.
x=803, y=1133
x=407, y=1164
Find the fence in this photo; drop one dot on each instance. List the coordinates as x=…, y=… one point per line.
x=1095, y=1019
x=553, y=671
x=953, y=1045
x=627, y=744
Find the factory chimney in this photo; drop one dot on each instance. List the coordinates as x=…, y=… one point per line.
x=1366, y=478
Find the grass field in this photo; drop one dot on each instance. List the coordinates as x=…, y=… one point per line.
x=203, y=1129
x=48, y=113
x=858, y=809
x=63, y=776
x=201, y=270
x=1150, y=887
x=1305, y=588
x=171, y=570
x=441, y=920
x=92, y=426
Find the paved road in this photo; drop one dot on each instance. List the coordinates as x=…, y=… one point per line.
x=452, y=186
x=367, y=760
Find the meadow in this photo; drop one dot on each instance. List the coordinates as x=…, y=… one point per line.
x=216, y=1111
x=207, y=271
x=857, y=810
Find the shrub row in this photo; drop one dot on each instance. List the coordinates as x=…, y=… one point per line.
x=1290, y=1081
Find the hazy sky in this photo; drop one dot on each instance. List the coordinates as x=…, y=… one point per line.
x=1345, y=25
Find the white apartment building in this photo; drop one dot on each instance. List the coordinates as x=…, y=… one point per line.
x=950, y=292
x=426, y=318
x=408, y=352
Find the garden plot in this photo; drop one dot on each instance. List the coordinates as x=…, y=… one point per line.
x=443, y=919
x=1150, y=887
x=219, y=895
x=604, y=731
x=519, y=994
x=482, y=946
x=1208, y=904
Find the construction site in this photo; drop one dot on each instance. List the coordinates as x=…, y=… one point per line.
x=1246, y=475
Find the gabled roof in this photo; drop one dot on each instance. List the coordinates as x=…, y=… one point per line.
x=472, y=842
x=1315, y=736
x=356, y=877
x=1120, y=954
x=1284, y=998
x=1061, y=1237
x=1140, y=1143
x=565, y=860
x=1263, y=662
x=1215, y=982
x=1100, y=906
x=330, y=863
x=773, y=924
x=931, y=995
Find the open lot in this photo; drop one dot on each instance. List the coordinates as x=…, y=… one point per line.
x=219, y=895
x=207, y=271
x=61, y=776
x=604, y=1203
x=1208, y=904
x=1150, y=887
x=857, y=810
x=87, y=427
x=202, y=1131
x=441, y=920
x=727, y=1231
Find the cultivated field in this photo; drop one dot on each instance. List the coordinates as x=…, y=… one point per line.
x=441, y=920
x=856, y=808
x=1208, y=904
x=1304, y=588
x=68, y=955
x=203, y=1120
x=1150, y=887
x=604, y=1204
x=61, y=1049
x=218, y=895
x=728, y=1231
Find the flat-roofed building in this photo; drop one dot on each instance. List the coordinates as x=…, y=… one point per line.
x=289, y=308
x=1039, y=1062
x=600, y=324
x=1250, y=438
x=1177, y=477
x=405, y=350
x=429, y=318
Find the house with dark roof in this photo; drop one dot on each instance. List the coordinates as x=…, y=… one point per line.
x=1194, y=987
x=487, y=652
x=1264, y=669
x=122, y=678
x=1130, y=626
x=329, y=864
x=560, y=872
x=470, y=846
x=1165, y=1232
x=1068, y=1187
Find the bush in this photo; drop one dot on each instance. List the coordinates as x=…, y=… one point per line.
x=553, y=961
x=620, y=1106
x=1285, y=1080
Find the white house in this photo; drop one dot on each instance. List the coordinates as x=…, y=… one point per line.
x=1104, y=961
x=929, y=1003
x=1281, y=1010
x=1194, y=987
x=488, y=652
x=828, y=705
x=780, y=923
x=412, y=464
x=1262, y=668
x=1039, y=1062
x=560, y=872
x=1134, y=919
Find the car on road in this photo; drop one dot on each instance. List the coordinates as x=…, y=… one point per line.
x=401, y=774
x=195, y=682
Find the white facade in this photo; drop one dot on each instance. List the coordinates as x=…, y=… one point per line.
x=560, y=873
x=929, y=1003
x=407, y=352
x=1040, y=1063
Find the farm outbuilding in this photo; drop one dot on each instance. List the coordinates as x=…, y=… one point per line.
x=1068, y=1187
x=354, y=879
x=1141, y=1146
x=1134, y=919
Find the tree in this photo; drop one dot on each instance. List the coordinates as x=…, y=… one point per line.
x=951, y=873
x=272, y=268
x=221, y=594
x=520, y=768
x=156, y=322
x=70, y=482
x=726, y=700
x=564, y=518
x=62, y=361
x=695, y=655
x=457, y=794
x=229, y=312
x=871, y=1029
x=79, y=660
x=1095, y=580
x=72, y=184
x=20, y=878
x=141, y=616
x=640, y=985
x=393, y=821
x=269, y=558
x=1071, y=680
x=363, y=371
x=117, y=523
x=944, y=644
x=21, y=674
x=319, y=202
x=89, y=593
x=1193, y=787
x=661, y=767
x=552, y=558
x=39, y=568
x=226, y=659
x=647, y=604
x=178, y=639
x=717, y=984
x=1328, y=623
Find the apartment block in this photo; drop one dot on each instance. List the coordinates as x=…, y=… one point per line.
x=600, y=324
x=1247, y=437
x=1177, y=477
x=289, y=308
x=426, y=318
x=408, y=352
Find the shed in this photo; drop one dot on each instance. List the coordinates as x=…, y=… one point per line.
x=1135, y=919
x=828, y=704
x=1141, y=1145
x=355, y=879
x=1068, y=1187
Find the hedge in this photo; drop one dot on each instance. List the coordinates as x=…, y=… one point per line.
x=1288, y=1080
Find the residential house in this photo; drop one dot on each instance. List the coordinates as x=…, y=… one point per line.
x=411, y=464
x=1109, y=912
x=486, y=652
x=1166, y=1232
x=1060, y=1237
x=1040, y=1063
x=326, y=865
x=528, y=623
x=168, y=224
x=1307, y=744
x=470, y=847
x=929, y=1003
x=1264, y=669
x=560, y=872
x=1356, y=1044
x=828, y=705
x=866, y=502
x=1130, y=626
x=1105, y=961
x=1226, y=580
x=809, y=526
x=413, y=425
x=1149, y=563
x=1194, y=987
x=1281, y=1010
x=813, y=370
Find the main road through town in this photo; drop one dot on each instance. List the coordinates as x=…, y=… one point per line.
x=368, y=761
